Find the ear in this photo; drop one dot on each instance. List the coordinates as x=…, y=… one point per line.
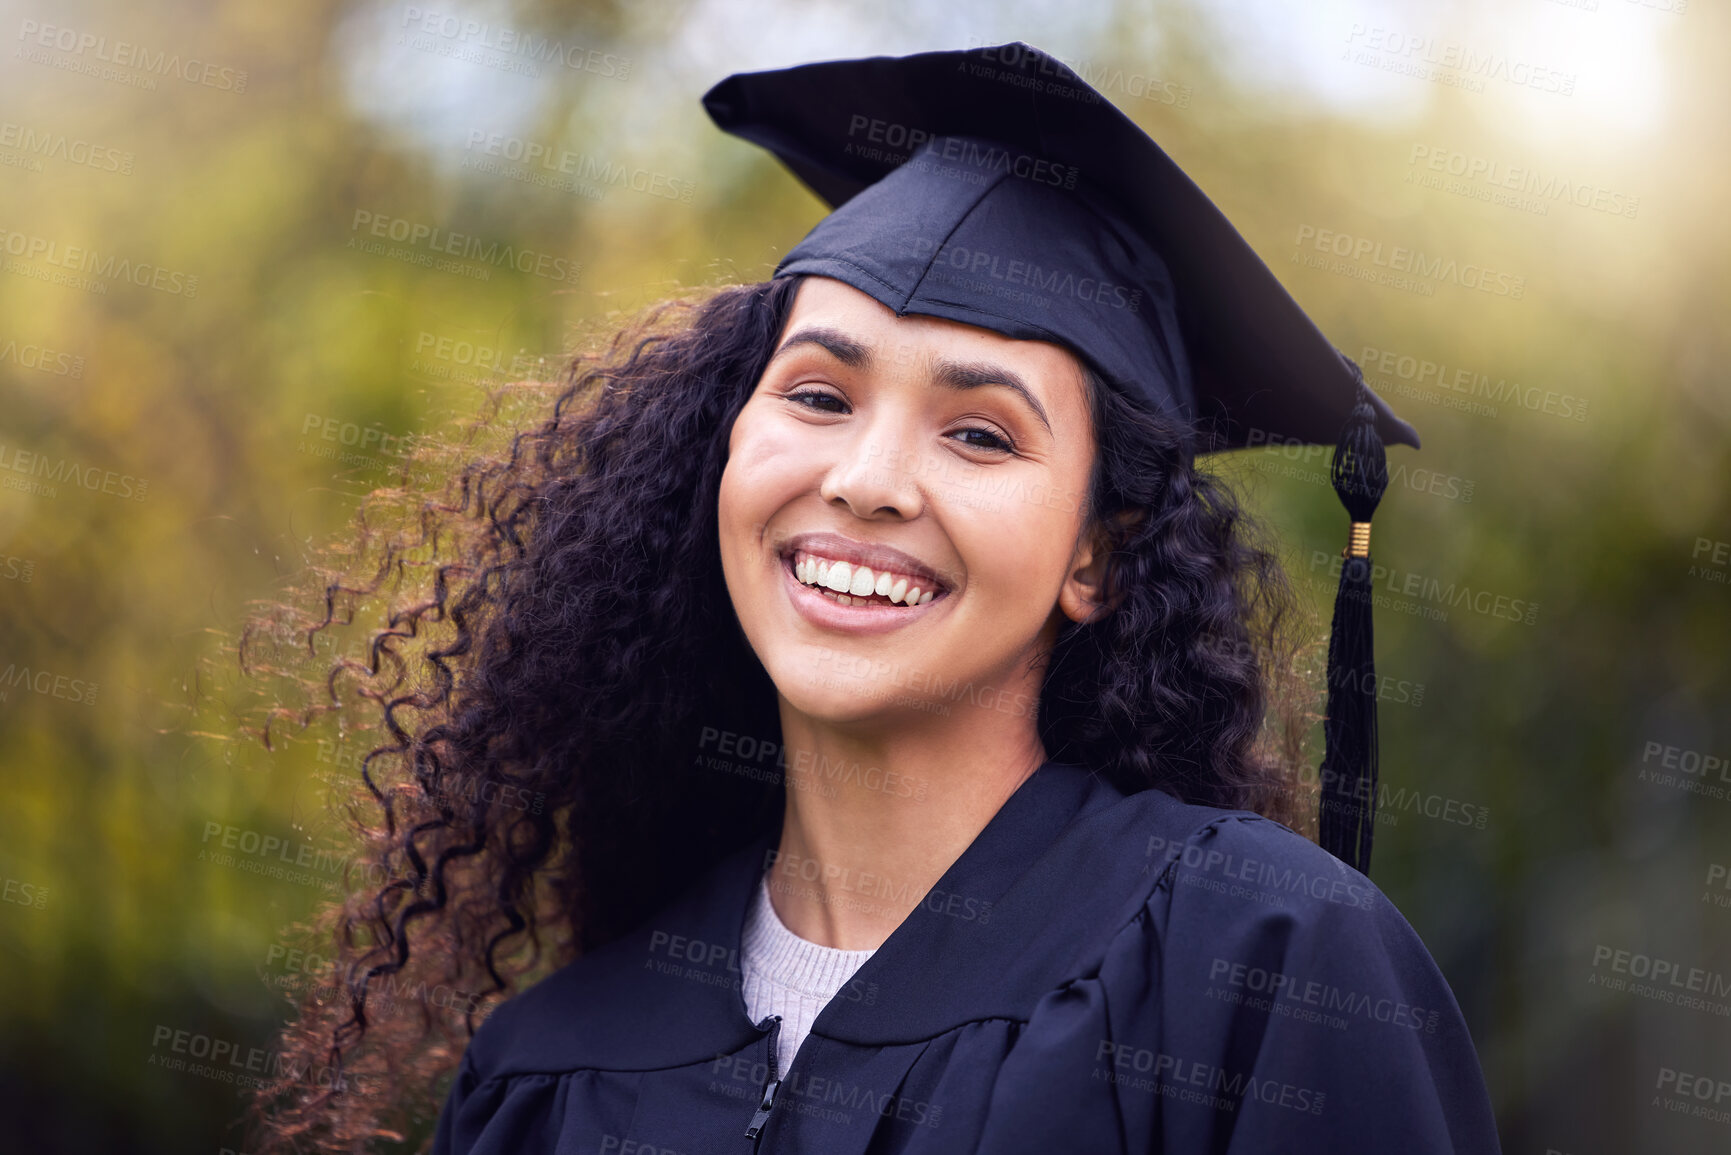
x=1082, y=596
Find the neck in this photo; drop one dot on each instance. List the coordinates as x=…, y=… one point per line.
x=875, y=817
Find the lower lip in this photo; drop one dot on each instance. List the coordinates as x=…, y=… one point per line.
x=855, y=619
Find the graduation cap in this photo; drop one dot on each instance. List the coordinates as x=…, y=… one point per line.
x=994, y=187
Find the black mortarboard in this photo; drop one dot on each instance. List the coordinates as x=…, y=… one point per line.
x=993, y=186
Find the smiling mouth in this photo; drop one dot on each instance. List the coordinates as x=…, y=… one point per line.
x=857, y=585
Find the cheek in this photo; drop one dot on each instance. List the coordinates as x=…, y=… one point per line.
x=767, y=461
x=1016, y=554
x=764, y=472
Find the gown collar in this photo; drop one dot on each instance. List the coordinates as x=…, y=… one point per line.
x=964, y=952
x=668, y=994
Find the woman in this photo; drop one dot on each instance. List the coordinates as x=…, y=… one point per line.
x=891, y=687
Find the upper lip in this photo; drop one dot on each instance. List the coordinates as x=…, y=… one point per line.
x=876, y=556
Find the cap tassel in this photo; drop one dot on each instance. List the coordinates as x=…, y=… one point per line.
x=1349, y=761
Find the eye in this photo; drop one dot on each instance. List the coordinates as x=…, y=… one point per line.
x=800, y=397
x=997, y=442
x=815, y=400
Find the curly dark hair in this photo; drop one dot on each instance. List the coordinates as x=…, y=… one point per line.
x=556, y=638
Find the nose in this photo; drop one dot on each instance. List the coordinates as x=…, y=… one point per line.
x=875, y=479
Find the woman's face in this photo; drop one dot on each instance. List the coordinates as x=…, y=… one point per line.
x=884, y=454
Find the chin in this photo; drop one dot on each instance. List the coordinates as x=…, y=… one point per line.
x=852, y=689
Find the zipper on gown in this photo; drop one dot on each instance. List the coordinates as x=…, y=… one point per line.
x=767, y=1104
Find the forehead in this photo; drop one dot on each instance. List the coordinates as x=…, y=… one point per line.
x=833, y=304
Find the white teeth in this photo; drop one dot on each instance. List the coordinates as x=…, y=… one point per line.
x=851, y=583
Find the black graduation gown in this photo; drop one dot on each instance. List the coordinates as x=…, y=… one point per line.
x=1095, y=973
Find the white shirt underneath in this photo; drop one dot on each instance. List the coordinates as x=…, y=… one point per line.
x=783, y=974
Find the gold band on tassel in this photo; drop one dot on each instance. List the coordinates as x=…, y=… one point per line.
x=1359, y=544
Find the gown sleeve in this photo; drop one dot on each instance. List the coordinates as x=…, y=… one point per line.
x=1270, y=998
x=499, y=1116
x=446, y=1140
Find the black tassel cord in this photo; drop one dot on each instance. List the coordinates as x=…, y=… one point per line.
x=1349, y=762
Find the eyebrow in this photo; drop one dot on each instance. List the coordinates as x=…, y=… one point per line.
x=950, y=374
x=838, y=344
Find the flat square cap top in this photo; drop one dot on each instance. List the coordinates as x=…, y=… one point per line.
x=993, y=186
